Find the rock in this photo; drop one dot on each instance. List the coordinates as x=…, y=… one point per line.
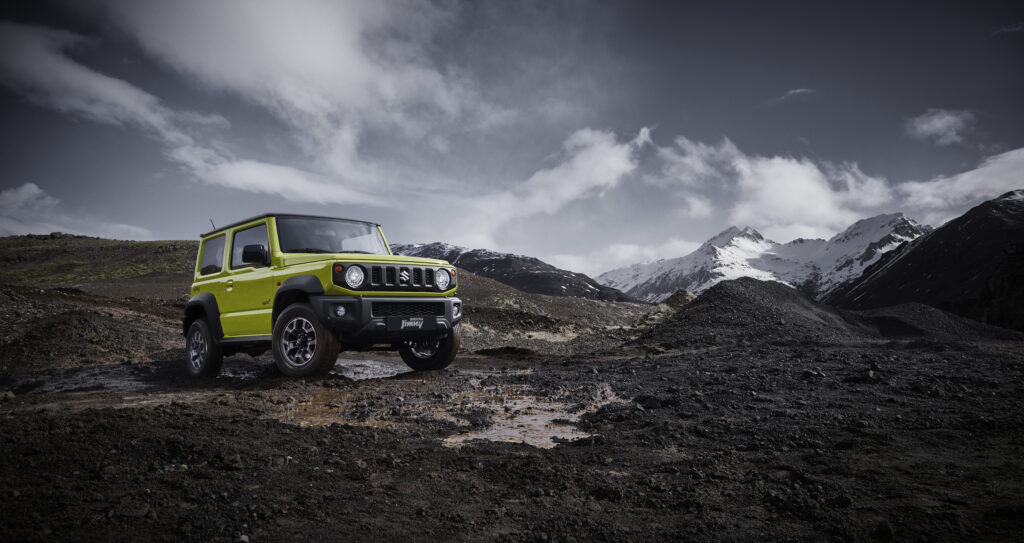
x=883, y=531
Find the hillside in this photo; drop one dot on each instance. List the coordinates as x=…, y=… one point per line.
x=524, y=273
x=972, y=266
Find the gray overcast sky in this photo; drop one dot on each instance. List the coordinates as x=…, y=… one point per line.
x=588, y=134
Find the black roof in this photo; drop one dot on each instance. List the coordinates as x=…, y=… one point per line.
x=265, y=215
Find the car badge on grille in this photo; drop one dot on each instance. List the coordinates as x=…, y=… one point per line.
x=405, y=276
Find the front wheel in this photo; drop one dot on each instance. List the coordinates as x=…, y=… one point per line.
x=204, y=354
x=434, y=354
x=303, y=347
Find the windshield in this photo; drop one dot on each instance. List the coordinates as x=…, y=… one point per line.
x=306, y=235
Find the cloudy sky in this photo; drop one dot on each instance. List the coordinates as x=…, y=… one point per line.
x=588, y=134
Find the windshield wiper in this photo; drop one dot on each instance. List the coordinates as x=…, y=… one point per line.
x=358, y=252
x=310, y=250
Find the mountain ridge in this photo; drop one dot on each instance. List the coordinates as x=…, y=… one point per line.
x=525, y=273
x=943, y=268
x=816, y=266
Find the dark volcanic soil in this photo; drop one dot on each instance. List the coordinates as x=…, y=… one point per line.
x=750, y=415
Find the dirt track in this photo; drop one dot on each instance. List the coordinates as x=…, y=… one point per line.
x=876, y=442
x=750, y=414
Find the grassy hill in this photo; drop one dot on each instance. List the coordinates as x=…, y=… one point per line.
x=65, y=258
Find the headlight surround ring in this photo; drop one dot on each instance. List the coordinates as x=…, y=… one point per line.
x=442, y=278
x=354, y=276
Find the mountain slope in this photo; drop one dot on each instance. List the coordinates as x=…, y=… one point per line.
x=815, y=265
x=524, y=273
x=972, y=266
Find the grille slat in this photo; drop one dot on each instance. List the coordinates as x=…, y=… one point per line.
x=408, y=309
x=376, y=275
x=390, y=275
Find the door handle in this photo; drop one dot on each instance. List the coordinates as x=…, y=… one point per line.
x=230, y=284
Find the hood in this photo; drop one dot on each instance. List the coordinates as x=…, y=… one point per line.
x=292, y=259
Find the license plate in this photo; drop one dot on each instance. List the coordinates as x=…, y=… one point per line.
x=406, y=324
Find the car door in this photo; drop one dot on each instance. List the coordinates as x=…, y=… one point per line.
x=248, y=287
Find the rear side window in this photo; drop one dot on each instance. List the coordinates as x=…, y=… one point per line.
x=213, y=256
x=257, y=235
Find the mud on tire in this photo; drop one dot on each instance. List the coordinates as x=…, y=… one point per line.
x=432, y=354
x=303, y=346
x=202, y=352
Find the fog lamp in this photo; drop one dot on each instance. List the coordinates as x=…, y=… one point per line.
x=339, y=310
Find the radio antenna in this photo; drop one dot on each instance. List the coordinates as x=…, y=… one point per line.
x=213, y=225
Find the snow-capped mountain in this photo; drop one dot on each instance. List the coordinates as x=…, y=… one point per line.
x=973, y=266
x=524, y=273
x=814, y=265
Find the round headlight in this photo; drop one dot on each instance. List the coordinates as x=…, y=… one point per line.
x=354, y=276
x=442, y=279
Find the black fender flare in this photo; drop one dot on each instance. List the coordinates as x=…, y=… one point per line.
x=304, y=285
x=206, y=304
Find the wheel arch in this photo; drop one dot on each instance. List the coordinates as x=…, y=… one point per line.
x=295, y=289
x=203, y=306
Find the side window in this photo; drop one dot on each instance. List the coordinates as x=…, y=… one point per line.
x=257, y=235
x=213, y=256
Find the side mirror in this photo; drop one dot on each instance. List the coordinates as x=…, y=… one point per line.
x=255, y=254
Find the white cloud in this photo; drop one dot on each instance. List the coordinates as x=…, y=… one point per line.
x=28, y=209
x=692, y=163
x=592, y=162
x=1009, y=29
x=34, y=63
x=789, y=96
x=787, y=198
x=783, y=197
x=941, y=126
x=289, y=183
x=945, y=197
x=697, y=207
x=618, y=255
x=331, y=70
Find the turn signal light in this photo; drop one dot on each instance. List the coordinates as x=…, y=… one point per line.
x=338, y=268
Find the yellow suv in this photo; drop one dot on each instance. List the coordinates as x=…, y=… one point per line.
x=308, y=287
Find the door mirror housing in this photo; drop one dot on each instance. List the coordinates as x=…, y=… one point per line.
x=255, y=254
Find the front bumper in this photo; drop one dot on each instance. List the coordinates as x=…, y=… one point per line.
x=366, y=318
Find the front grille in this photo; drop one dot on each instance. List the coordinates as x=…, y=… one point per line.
x=408, y=309
x=401, y=278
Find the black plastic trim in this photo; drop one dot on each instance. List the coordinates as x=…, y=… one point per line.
x=360, y=327
x=265, y=215
x=208, y=303
x=307, y=284
x=246, y=339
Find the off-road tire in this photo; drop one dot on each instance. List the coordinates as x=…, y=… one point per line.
x=432, y=356
x=203, y=355
x=294, y=355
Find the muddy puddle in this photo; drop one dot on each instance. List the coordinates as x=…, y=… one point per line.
x=513, y=413
x=376, y=391
x=518, y=417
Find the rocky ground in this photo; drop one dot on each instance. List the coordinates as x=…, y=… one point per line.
x=748, y=414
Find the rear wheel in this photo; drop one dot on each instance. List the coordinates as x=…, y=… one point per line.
x=204, y=354
x=433, y=354
x=302, y=345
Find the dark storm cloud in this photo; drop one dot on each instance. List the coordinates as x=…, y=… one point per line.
x=591, y=134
